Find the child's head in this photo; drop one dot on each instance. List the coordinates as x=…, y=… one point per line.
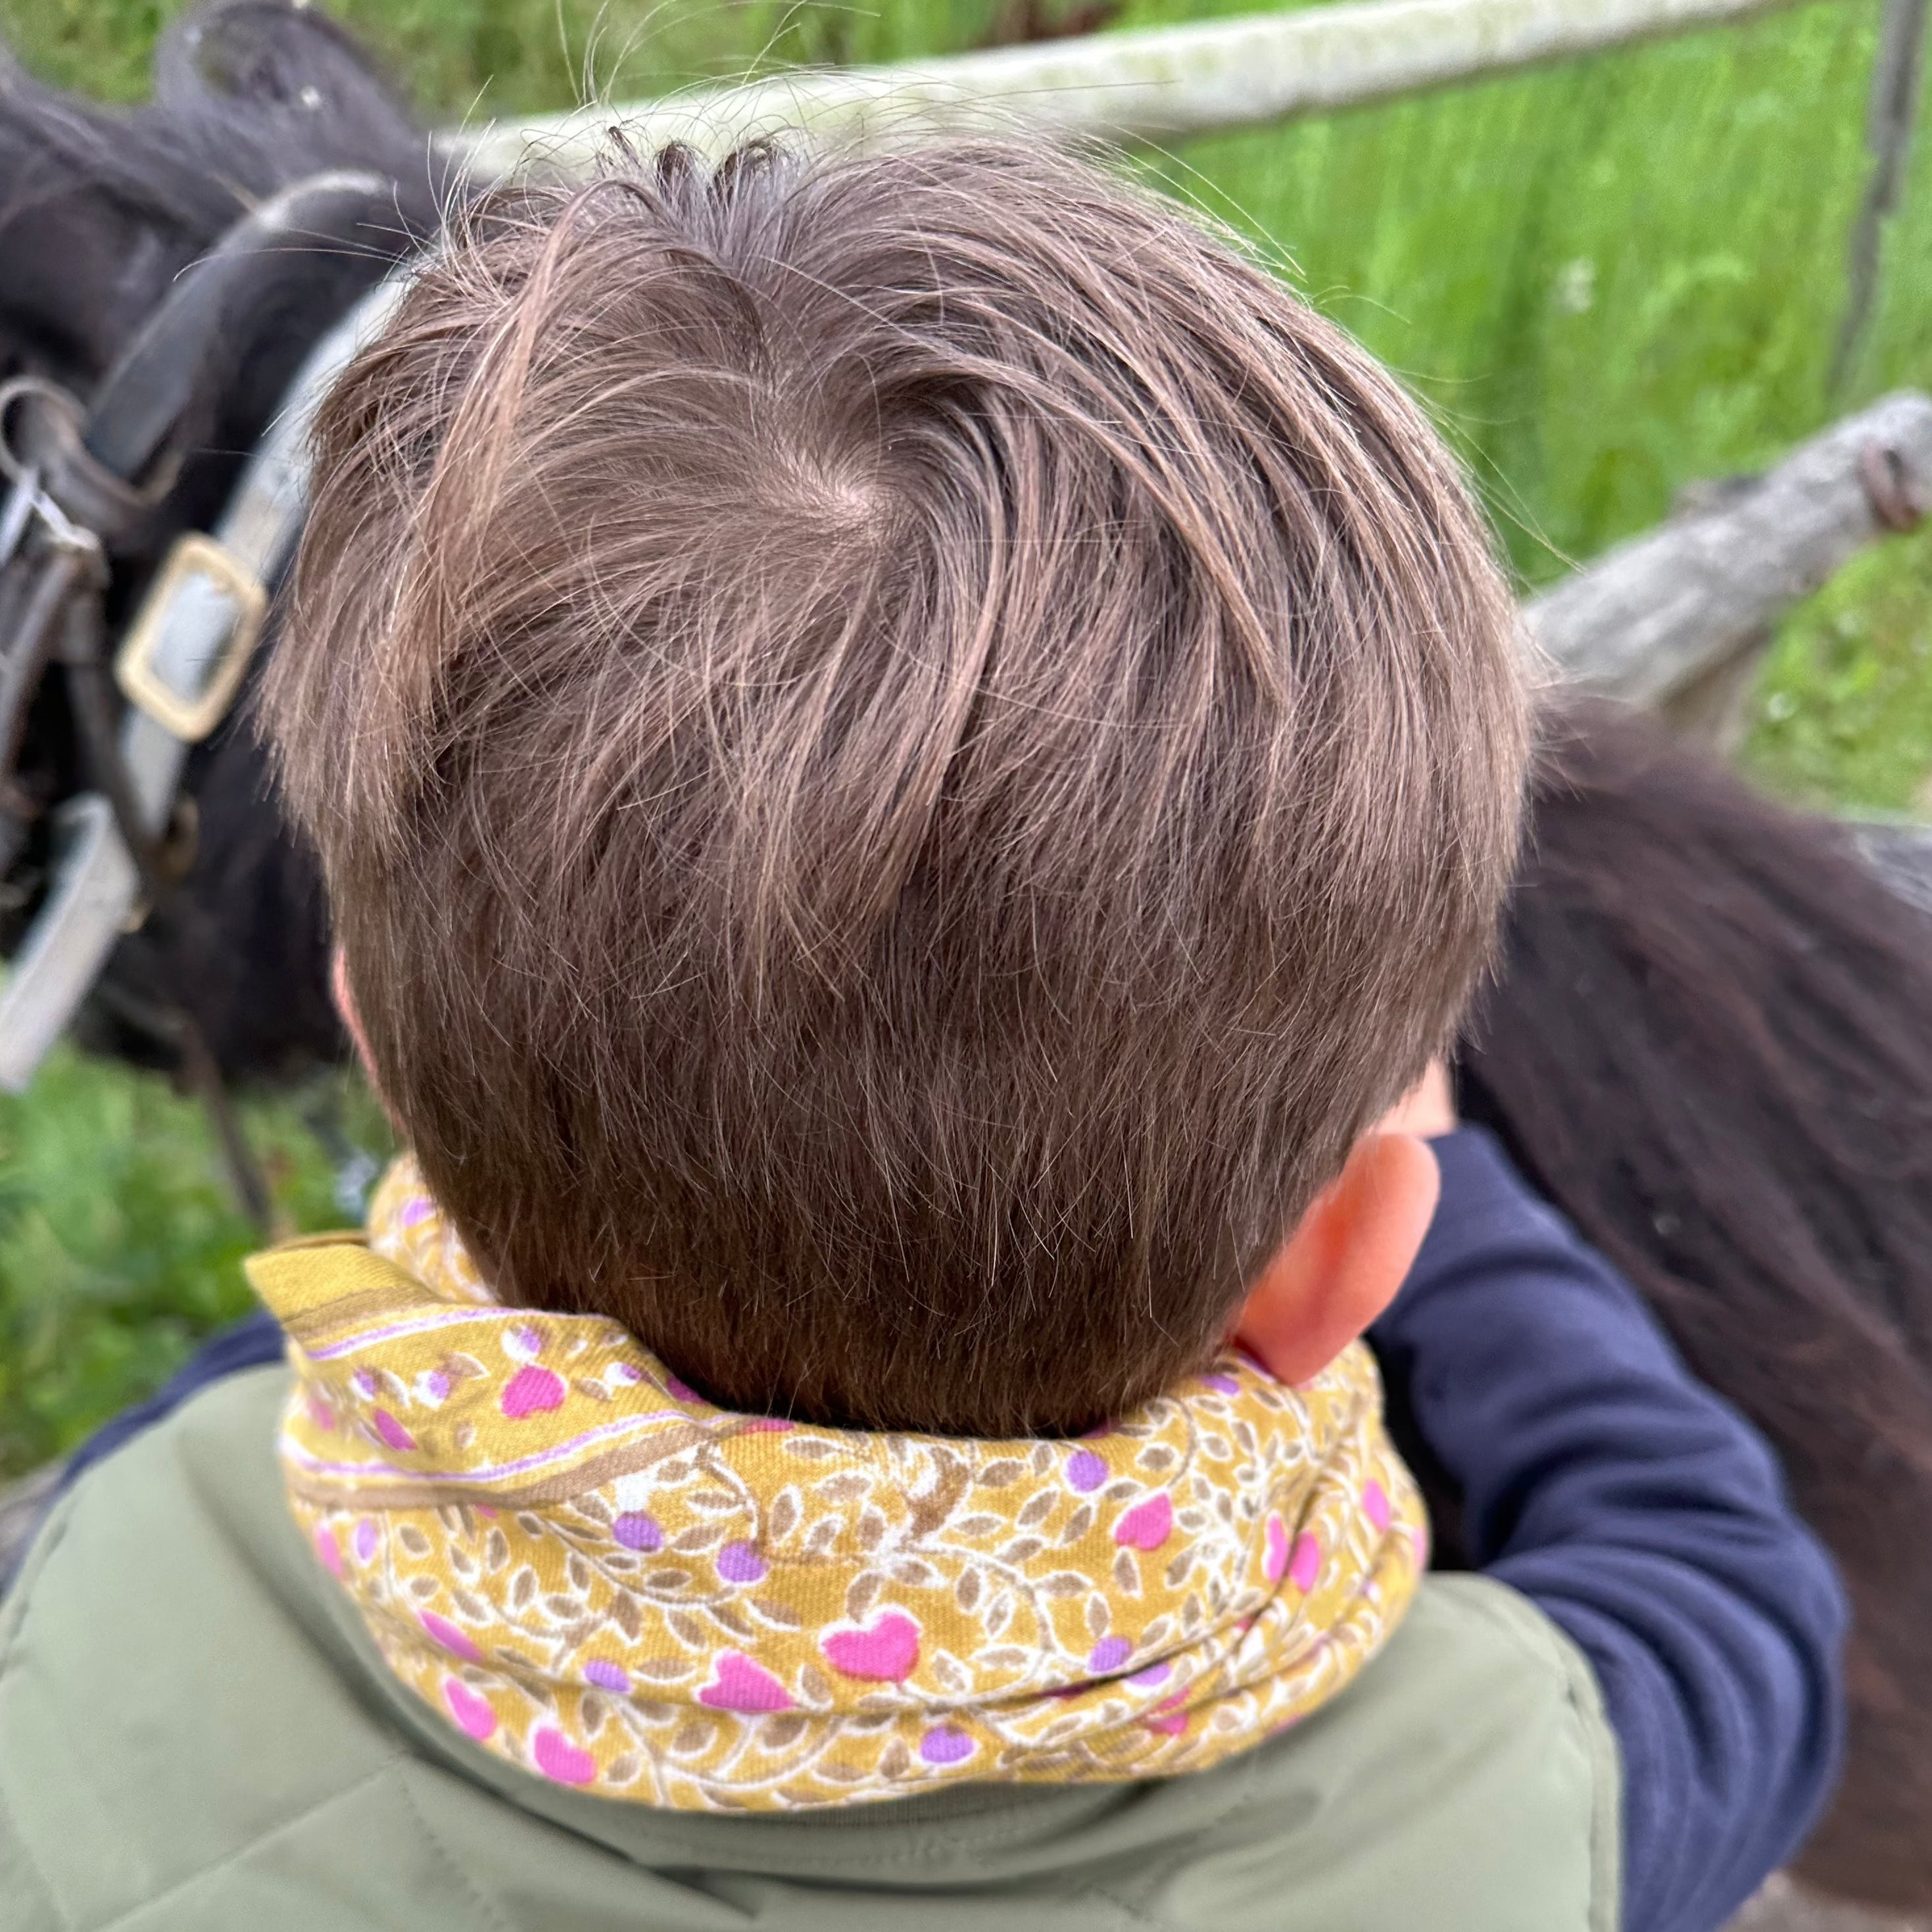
x=907, y=749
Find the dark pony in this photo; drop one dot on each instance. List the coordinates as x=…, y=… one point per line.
x=100, y=213
x=1710, y=1043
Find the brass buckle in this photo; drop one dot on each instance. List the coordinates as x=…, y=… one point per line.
x=193, y=558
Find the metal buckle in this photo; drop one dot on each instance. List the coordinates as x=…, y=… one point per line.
x=182, y=609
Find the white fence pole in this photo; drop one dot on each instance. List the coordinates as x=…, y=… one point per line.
x=1160, y=84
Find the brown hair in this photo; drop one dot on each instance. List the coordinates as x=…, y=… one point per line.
x=906, y=748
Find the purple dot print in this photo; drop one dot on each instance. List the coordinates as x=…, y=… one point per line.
x=1085, y=1470
x=1109, y=1653
x=945, y=1746
x=636, y=1531
x=607, y=1676
x=739, y=1563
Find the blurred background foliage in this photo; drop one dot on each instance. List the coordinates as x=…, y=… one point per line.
x=1609, y=279
x=120, y=1246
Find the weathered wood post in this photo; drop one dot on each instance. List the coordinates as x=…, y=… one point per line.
x=1678, y=617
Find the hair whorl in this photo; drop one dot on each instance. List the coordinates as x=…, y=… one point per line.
x=906, y=748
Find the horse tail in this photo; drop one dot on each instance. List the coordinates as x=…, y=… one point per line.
x=1711, y=1045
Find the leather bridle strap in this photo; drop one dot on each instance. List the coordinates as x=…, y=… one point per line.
x=186, y=631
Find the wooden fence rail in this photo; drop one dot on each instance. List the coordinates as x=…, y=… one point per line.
x=1159, y=84
x=1647, y=619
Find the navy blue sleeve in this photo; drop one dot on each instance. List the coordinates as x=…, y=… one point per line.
x=1642, y=1514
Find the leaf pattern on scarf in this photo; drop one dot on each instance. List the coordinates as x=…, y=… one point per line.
x=597, y=1575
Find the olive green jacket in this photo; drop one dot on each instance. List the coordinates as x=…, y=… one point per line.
x=197, y=1735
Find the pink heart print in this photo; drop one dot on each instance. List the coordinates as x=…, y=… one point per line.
x=1147, y=1525
x=740, y=1685
x=472, y=1711
x=1169, y=1718
x=532, y=1390
x=457, y=1642
x=1274, y=1563
x=885, y=1651
x=557, y=1757
x=1304, y=1566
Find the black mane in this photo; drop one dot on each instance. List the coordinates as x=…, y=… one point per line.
x=102, y=210
x=1711, y=1044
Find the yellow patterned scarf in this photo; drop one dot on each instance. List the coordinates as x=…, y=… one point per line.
x=603, y=1578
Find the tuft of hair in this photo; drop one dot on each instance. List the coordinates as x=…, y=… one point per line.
x=907, y=748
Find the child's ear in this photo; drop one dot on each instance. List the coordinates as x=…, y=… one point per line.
x=1343, y=1265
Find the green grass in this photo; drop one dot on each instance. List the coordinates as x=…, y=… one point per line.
x=1846, y=704
x=459, y=57
x=1609, y=279
x=119, y=1246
